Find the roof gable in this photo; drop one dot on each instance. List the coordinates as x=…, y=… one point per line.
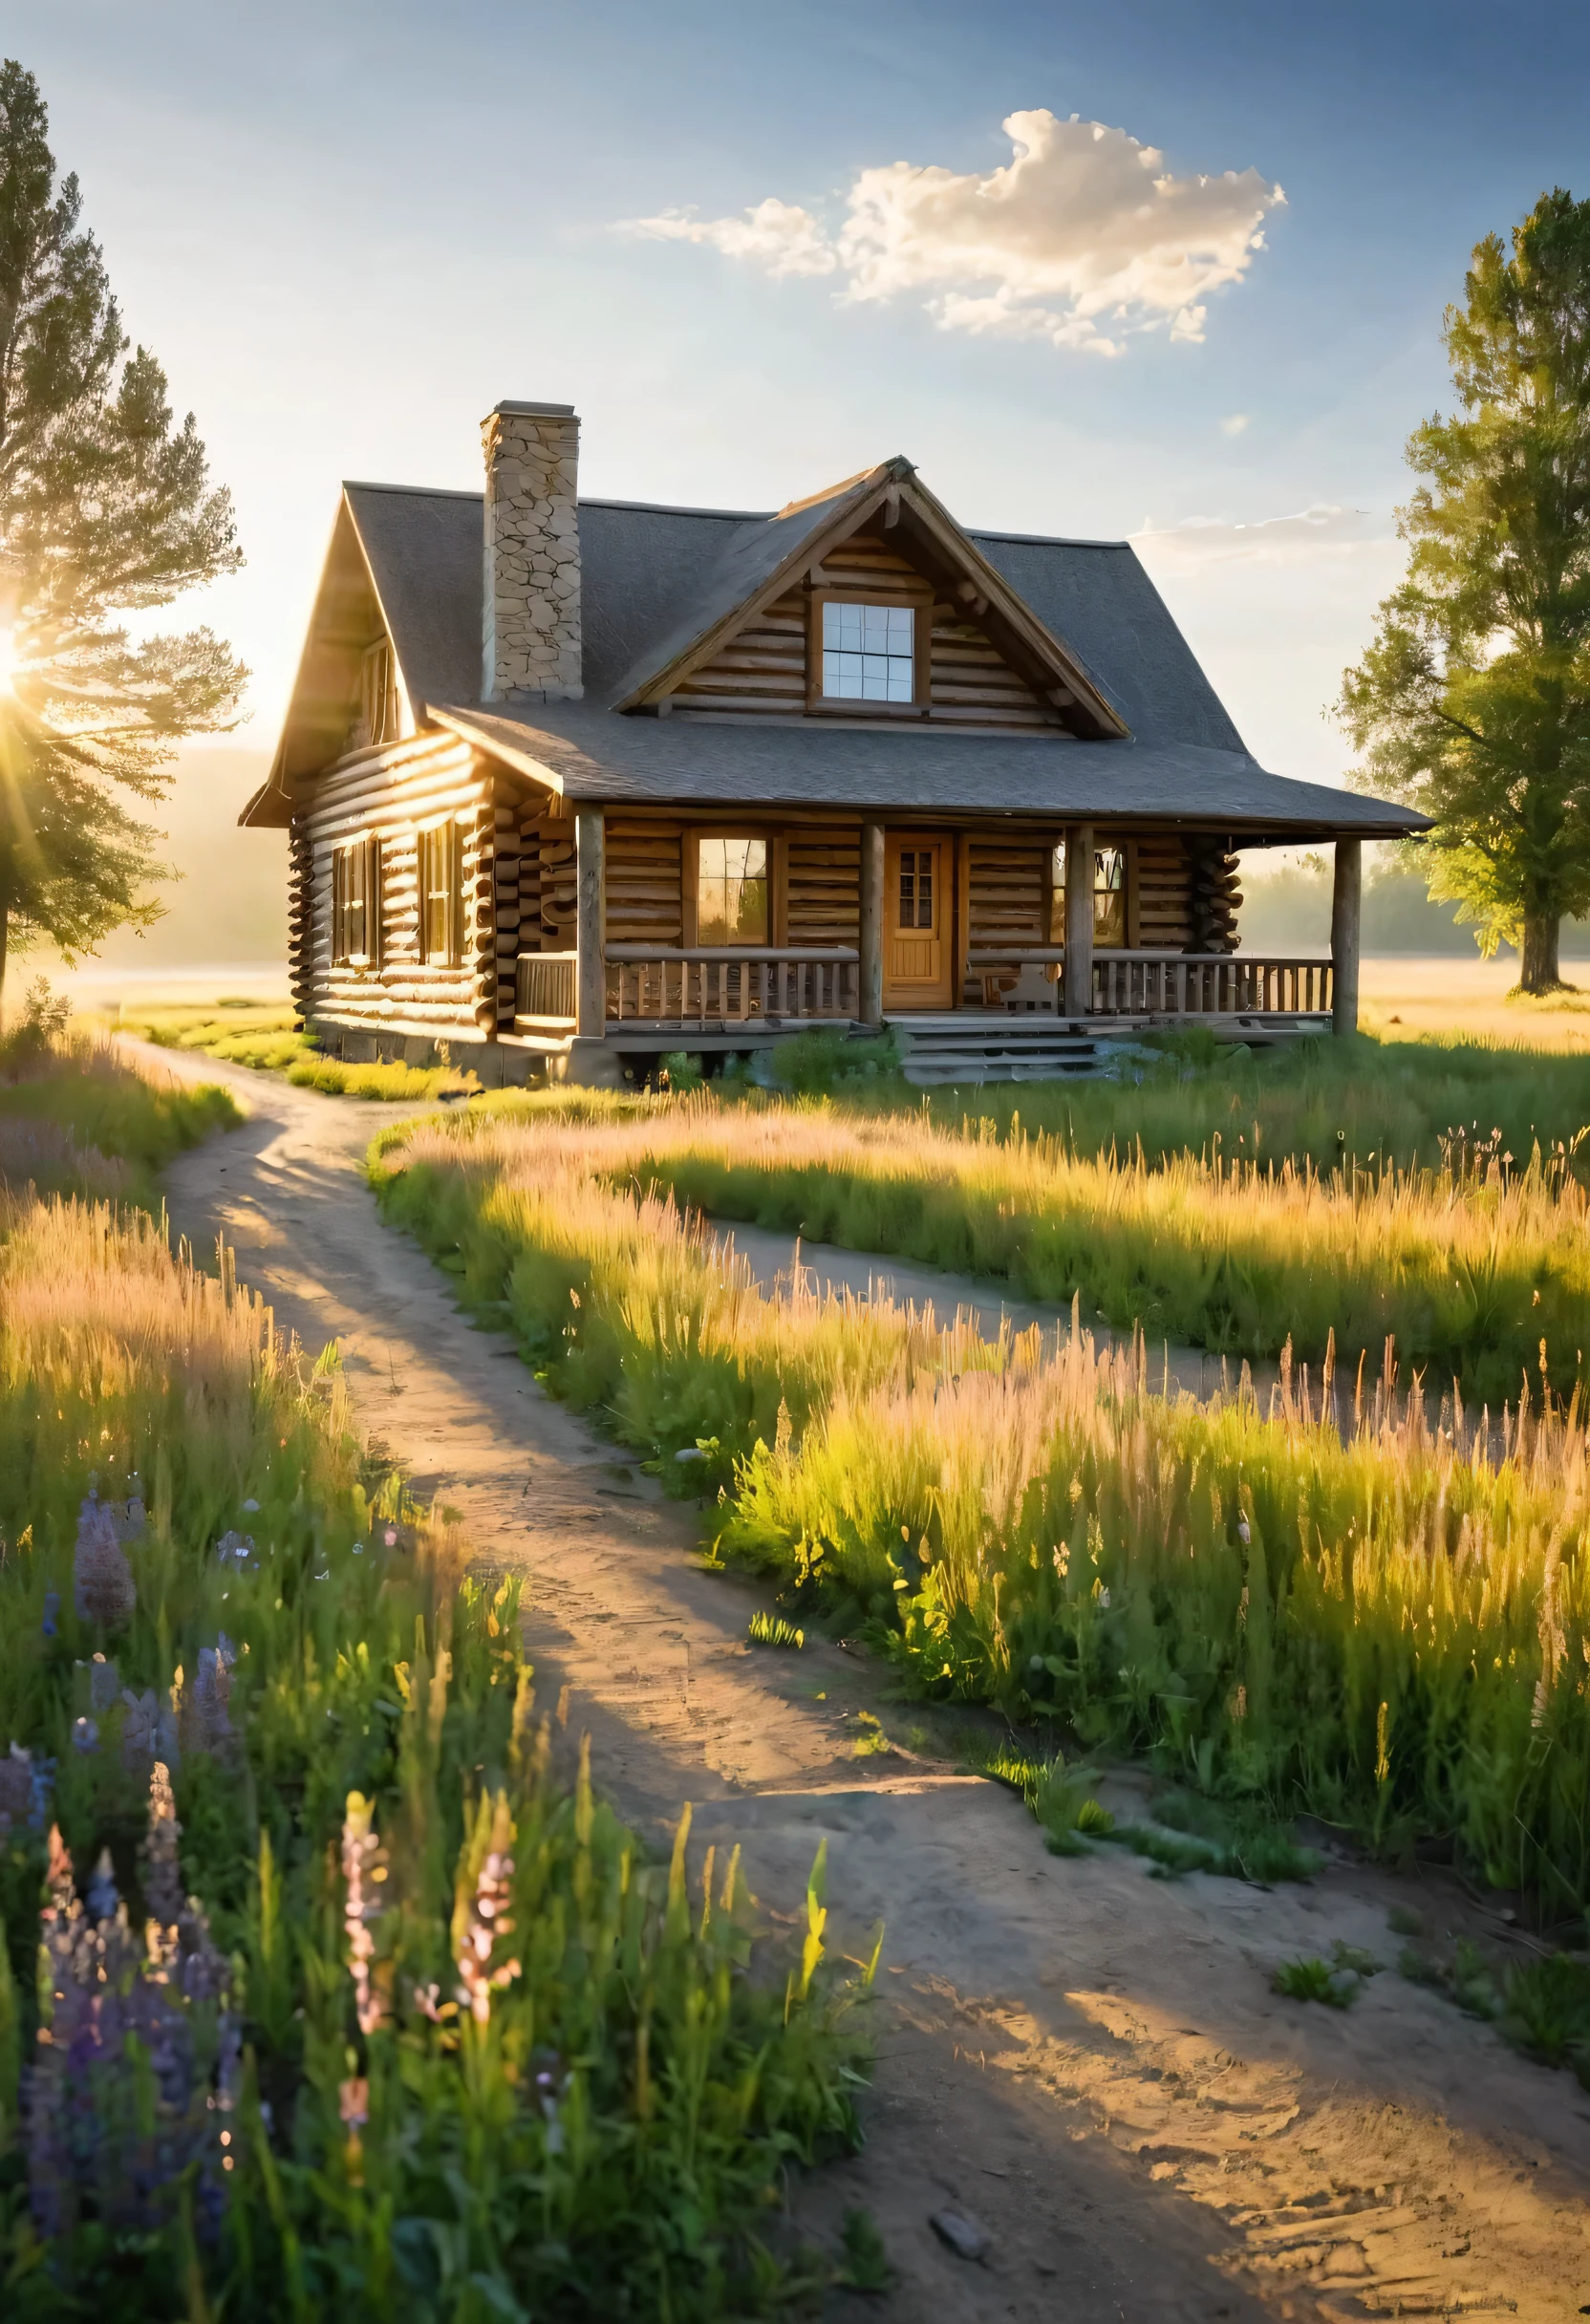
x=763, y=559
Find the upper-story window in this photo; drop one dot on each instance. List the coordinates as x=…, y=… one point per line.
x=868, y=653
x=731, y=891
x=378, y=693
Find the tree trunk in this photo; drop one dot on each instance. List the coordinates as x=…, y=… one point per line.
x=1537, y=969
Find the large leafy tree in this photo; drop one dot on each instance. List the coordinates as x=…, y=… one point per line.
x=1473, y=702
x=105, y=510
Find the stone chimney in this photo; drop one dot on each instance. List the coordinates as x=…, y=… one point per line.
x=531, y=630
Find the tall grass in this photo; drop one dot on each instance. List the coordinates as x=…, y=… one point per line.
x=1469, y=1273
x=341, y=1999
x=266, y=1040
x=1318, y=1101
x=1380, y=1617
x=74, y=1118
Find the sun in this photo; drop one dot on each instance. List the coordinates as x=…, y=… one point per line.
x=9, y=660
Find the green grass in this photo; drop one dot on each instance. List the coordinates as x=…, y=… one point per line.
x=1384, y=1630
x=75, y=1119
x=265, y=1038
x=1313, y=1101
x=772, y=1630
x=438, y=2036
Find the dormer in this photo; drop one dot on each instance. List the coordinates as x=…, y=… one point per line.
x=869, y=605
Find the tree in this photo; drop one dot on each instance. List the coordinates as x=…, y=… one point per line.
x=105, y=509
x=1473, y=702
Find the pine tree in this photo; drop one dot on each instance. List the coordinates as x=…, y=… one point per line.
x=105, y=510
x=1473, y=702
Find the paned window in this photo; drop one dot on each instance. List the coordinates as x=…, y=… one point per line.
x=731, y=891
x=868, y=653
x=916, y=896
x=1110, y=896
x=441, y=889
x=377, y=694
x=357, y=904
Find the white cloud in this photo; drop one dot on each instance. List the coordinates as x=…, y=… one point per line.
x=1322, y=532
x=1233, y=423
x=778, y=235
x=1082, y=238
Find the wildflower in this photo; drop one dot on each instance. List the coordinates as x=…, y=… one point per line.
x=251, y=1508
x=17, y=1789
x=103, y=1895
x=51, y=1624
x=102, y=1578
x=104, y=1685
x=353, y=2101
x=479, y=1923
x=237, y=1549
x=85, y=1735
x=364, y=1867
x=209, y=1726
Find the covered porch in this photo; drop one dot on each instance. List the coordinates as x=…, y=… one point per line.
x=953, y=986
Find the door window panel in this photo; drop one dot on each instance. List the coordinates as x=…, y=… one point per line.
x=917, y=866
x=731, y=893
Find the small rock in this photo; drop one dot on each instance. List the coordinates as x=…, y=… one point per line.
x=966, y=2237
x=690, y=1453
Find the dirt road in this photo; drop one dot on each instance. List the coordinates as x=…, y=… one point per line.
x=1090, y=2061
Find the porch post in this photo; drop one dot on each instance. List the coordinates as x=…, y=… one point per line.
x=872, y=923
x=1346, y=911
x=1079, y=920
x=591, y=931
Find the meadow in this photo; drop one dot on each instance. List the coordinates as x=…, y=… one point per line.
x=323, y=1989
x=265, y=1038
x=1376, y=1611
x=74, y=1118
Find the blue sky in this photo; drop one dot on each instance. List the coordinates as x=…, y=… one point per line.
x=348, y=229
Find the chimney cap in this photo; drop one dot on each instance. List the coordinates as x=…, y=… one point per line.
x=542, y=411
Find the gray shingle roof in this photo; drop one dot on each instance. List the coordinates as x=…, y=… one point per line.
x=590, y=755
x=651, y=574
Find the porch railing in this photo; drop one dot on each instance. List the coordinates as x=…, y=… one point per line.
x=544, y=988
x=657, y=985
x=1208, y=984
x=1142, y=984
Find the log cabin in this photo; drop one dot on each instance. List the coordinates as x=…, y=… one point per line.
x=571, y=783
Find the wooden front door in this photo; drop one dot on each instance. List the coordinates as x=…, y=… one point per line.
x=919, y=921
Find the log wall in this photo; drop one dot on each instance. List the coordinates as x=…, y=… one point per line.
x=387, y=794
x=763, y=666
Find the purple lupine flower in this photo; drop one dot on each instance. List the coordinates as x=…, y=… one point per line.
x=102, y=1578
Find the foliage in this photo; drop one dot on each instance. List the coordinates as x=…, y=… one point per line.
x=1384, y=1622
x=430, y=2034
x=387, y=1084
x=75, y=1120
x=816, y=1063
x=1315, y=1980
x=266, y=1038
x=105, y=509
x=1467, y=1269
x=772, y=1630
x=1357, y=1101
x=1473, y=702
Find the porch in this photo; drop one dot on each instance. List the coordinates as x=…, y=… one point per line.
x=932, y=958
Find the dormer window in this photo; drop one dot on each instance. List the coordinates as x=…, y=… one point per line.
x=378, y=694
x=868, y=653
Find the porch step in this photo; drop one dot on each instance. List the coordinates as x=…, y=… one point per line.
x=938, y=1052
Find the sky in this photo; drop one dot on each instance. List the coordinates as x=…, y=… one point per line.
x=763, y=247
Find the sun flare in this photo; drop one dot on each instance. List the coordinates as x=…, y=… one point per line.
x=9, y=660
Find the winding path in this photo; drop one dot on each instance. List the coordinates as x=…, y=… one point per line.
x=1090, y=2061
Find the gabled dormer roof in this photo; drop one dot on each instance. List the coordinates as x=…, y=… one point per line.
x=765, y=557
